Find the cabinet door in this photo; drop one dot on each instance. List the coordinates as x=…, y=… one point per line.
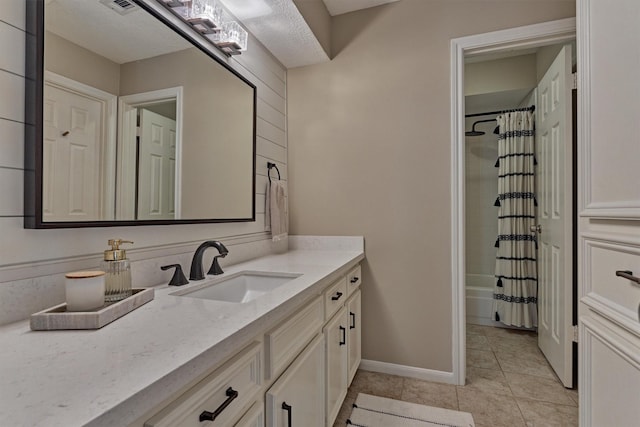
x=355, y=334
x=297, y=398
x=254, y=416
x=337, y=358
x=609, y=344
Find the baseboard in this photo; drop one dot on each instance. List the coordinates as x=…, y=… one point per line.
x=483, y=321
x=407, y=371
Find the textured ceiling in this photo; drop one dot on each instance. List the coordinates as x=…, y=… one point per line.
x=97, y=28
x=338, y=7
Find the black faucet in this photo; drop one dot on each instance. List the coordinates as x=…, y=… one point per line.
x=197, y=273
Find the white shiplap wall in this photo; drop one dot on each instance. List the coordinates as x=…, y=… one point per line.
x=32, y=253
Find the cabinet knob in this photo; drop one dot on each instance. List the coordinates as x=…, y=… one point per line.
x=210, y=416
x=355, y=279
x=344, y=335
x=353, y=320
x=287, y=408
x=336, y=297
x=628, y=275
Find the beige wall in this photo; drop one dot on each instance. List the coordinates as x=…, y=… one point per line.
x=369, y=153
x=217, y=130
x=317, y=16
x=481, y=189
x=517, y=72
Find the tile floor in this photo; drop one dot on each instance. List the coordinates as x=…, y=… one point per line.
x=509, y=383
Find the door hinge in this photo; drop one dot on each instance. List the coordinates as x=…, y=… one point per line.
x=574, y=79
x=575, y=333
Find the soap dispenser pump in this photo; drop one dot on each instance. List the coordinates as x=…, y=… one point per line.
x=118, y=272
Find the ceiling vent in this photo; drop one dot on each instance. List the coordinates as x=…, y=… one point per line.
x=121, y=6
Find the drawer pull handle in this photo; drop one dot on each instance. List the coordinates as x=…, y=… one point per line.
x=210, y=416
x=288, y=409
x=336, y=297
x=628, y=275
x=344, y=335
x=353, y=320
x=355, y=279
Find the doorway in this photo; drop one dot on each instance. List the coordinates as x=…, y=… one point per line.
x=498, y=45
x=149, y=169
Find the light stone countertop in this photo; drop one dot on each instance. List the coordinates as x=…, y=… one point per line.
x=114, y=375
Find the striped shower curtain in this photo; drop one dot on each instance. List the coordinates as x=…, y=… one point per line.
x=516, y=287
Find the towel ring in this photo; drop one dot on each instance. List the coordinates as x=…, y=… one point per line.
x=272, y=165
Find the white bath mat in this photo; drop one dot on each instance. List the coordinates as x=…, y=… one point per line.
x=374, y=411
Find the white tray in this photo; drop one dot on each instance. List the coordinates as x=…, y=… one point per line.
x=57, y=317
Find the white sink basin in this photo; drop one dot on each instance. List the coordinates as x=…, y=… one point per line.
x=239, y=287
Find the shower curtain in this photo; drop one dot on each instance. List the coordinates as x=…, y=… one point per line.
x=515, y=292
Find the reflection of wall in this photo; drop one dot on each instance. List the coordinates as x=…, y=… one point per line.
x=63, y=57
x=214, y=139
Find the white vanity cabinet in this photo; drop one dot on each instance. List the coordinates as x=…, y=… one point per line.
x=254, y=416
x=221, y=398
x=295, y=374
x=343, y=335
x=354, y=335
x=297, y=397
x=337, y=357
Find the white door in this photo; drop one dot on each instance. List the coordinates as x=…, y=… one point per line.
x=73, y=125
x=555, y=213
x=156, y=166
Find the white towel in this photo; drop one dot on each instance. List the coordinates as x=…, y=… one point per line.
x=277, y=210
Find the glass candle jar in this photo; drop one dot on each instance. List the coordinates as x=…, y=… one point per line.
x=84, y=290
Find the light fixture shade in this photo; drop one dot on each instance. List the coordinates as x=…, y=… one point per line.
x=210, y=18
x=236, y=35
x=204, y=15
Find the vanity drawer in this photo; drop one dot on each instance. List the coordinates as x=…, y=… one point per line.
x=283, y=343
x=226, y=392
x=618, y=296
x=334, y=297
x=354, y=279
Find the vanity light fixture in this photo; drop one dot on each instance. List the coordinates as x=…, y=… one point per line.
x=213, y=21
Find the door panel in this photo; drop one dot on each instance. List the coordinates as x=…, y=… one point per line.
x=73, y=127
x=156, y=166
x=301, y=389
x=555, y=213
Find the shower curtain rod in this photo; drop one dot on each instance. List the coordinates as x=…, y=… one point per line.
x=531, y=108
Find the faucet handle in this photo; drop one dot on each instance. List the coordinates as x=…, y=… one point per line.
x=215, y=265
x=178, y=278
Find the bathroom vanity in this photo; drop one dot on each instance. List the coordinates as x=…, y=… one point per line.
x=286, y=357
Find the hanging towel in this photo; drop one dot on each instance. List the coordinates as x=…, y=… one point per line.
x=277, y=210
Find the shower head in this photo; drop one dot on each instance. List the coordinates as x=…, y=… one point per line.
x=474, y=132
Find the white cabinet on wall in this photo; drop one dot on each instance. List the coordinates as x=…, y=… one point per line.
x=609, y=201
x=297, y=398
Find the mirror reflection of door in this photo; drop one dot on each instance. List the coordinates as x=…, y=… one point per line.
x=156, y=166
x=75, y=146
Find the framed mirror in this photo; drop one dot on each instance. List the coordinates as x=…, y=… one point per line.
x=130, y=121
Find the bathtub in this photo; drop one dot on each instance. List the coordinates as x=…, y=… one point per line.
x=479, y=299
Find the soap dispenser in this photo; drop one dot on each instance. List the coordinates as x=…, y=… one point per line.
x=117, y=279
